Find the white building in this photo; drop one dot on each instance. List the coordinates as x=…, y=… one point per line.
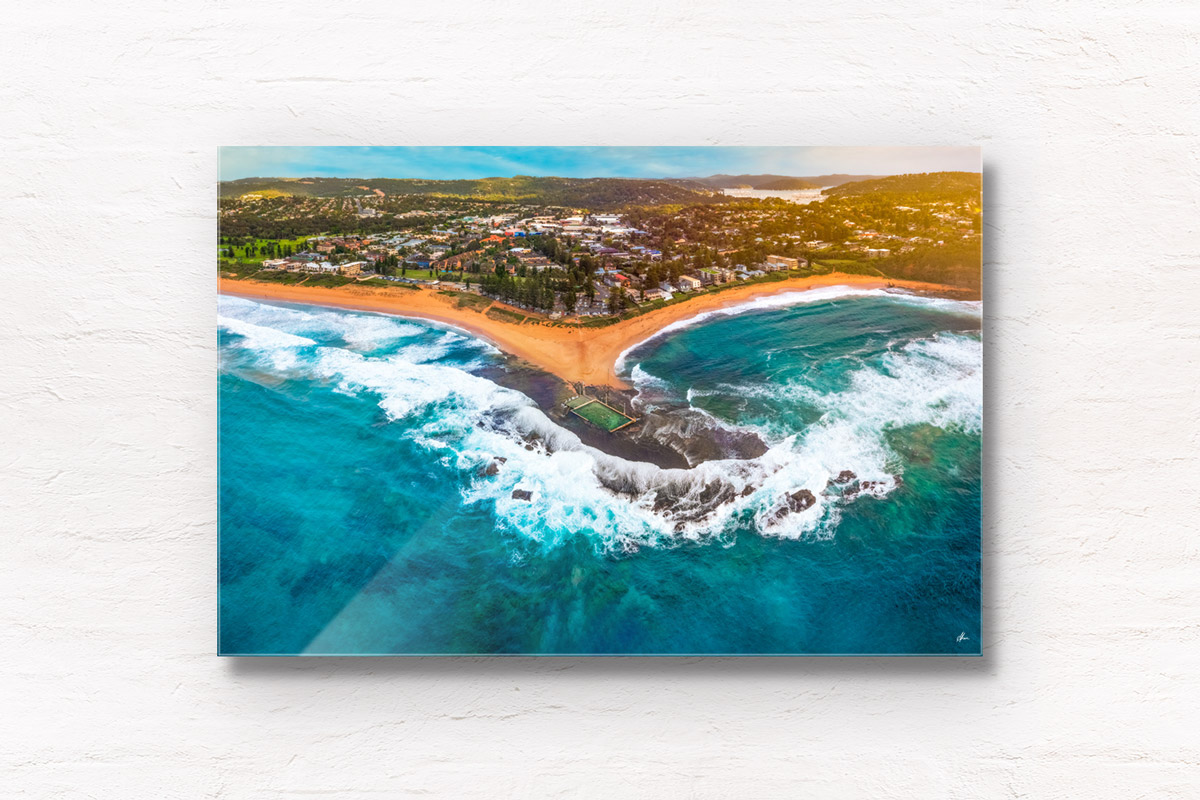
x=319, y=266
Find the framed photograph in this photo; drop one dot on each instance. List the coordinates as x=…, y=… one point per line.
x=600, y=401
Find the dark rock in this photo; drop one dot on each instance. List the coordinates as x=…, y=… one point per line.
x=521, y=494
x=845, y=476
x=663, y=499
x=684, y=501
x=696, y=438
x=798, y=500
x=749, y=490
x=492, y=469
x=700, y=442
x=801, y=500
x=502, y=459
x=715, y=493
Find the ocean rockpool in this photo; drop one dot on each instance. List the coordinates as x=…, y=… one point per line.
x=379, y=494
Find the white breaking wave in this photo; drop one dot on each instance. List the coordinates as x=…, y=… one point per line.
x=362, y=331
x=368, y=333
x=802, y=297
x=501, y=443
x=278, y=347
x=262, y=336
x=937, y=381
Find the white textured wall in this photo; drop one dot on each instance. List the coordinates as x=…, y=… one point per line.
x=110, y=116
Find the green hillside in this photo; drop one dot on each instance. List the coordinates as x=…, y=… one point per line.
x=946, y=186
x=788, y=184
x=598, y=193
x=769, y=182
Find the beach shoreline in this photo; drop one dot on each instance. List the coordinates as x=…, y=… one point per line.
x=573, y=354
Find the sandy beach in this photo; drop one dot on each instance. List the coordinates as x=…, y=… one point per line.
x=572, y=353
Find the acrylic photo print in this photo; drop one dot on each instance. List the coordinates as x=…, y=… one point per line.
x=600, y=400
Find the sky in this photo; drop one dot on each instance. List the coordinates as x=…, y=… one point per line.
x=586, y=162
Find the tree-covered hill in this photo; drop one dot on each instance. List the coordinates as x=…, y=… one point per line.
x=590, y=193
x=838, y=178
x=788, y=184
x=738, y=181
x=945, y=186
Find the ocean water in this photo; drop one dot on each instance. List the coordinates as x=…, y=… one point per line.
x=367, y=471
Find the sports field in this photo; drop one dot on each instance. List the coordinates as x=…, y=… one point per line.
x=598, y=413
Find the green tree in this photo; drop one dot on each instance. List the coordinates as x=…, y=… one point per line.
x=616, y=300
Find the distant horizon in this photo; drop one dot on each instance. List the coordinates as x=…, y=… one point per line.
x=575, y=177
x=635, y=163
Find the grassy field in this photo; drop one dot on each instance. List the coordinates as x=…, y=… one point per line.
x=427, y=275
x=329, y=281
x=826, y=265
x=296, y=244
x=390, y=284
x=601, y=416
x=472, y=301
x=504, y=315
x=286, y=278
x=238, y=268
x=598, y=322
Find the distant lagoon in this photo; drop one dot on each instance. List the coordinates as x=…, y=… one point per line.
x=799, y=196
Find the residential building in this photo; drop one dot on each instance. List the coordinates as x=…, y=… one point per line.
x=451, y=263
x=781, y=262
x=319, y=266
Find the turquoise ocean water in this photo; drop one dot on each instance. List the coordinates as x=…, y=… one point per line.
x=364, y=507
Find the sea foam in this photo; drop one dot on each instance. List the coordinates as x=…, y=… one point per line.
x=803, y=297
x=502, y=446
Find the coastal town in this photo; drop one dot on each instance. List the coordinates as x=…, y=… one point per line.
x=514, y=380
x=578, y=263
